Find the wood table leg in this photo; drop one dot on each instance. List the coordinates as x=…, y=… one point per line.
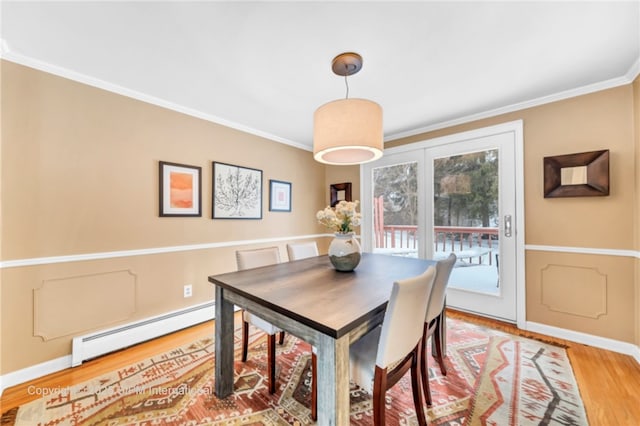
x=223, y=345
x=333, y=381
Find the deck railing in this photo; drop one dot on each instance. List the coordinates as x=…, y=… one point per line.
x=468, y=243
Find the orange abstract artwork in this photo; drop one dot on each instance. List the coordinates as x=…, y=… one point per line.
x=181, y=185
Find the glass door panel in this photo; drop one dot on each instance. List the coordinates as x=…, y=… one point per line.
x=465, y=218
x=472, y=188
x=395, y=209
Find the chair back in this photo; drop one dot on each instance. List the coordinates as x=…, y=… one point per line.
x=439, y=292
x=404, y=319
x=297, y=251
x=248, y=259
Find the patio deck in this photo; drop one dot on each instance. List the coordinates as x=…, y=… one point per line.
x=465, y=275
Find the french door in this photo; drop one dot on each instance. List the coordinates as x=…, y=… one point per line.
x=455, y=194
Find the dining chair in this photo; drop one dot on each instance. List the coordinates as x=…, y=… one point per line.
x=434, y=321
x=382, y=357
x=249, y=259
x=297, y=251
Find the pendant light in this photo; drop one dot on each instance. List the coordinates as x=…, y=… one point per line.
x=347, y=131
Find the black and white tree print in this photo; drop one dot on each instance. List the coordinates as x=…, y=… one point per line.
x=237, y=192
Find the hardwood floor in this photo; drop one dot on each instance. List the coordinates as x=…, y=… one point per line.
x=609, y=382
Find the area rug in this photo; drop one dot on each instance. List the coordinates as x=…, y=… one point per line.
x=493, y=378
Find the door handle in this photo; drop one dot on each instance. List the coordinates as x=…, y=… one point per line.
x=507, y=225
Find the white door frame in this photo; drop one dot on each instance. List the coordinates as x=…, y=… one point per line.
x=516, y=127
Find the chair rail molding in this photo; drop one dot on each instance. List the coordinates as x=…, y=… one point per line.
x=584, y=250
x=147, y=251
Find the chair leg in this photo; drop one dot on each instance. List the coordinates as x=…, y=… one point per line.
x=271, y=363
x=314, y=387
x=437, y=336
x=281, y=341
x=416, y=386
x=379, y=391
x=245, y=340
x=424, y=366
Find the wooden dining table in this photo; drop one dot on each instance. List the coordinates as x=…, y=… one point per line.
x=311, y=300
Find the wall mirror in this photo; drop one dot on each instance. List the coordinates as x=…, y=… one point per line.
x=340, y=192
x=585, y=174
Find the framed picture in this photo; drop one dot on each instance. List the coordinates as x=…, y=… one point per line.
x=280, y=196
x=180, y=190
x=237, y=192
x=340, y=192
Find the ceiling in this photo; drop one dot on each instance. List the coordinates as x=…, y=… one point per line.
x=264, y=67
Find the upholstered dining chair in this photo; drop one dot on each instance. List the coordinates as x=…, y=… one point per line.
x=434, y=321
x=297, y=251
x=249, y=259
x=382, y=357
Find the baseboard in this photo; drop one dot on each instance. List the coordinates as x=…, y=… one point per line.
x=35, y=371
x=586, y=339
x=52, y=366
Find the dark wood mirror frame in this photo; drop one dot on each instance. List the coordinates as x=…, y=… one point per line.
x=337, y=187
x=597, y=182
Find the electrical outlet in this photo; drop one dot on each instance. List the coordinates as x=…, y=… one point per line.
x=188, y=290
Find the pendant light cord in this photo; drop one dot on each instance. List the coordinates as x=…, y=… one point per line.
x=346, y=83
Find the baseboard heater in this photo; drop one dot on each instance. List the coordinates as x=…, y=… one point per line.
x=105, y=341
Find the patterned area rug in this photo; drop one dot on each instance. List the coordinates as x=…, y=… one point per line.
x=492, y=378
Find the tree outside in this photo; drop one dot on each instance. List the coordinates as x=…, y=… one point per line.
x=398, y=187
x=465, y=191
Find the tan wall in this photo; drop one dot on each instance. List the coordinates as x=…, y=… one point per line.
x=1, y=222
x=80, y=176
x=602, y=304
x=636, y=118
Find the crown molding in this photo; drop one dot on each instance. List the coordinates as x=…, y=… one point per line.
x=627, y=78
x=4, y=47
x=634, y=71
x=7, y=54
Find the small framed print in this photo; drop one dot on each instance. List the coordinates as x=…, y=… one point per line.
x=279, y=196
x=237, y=192
x=180, y=190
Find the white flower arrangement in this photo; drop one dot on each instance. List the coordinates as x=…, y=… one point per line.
x=342, y=218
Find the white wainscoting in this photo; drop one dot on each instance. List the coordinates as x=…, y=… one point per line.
x=58, y=364
x=576, y=336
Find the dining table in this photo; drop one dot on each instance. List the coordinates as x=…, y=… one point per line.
x=313, y=301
